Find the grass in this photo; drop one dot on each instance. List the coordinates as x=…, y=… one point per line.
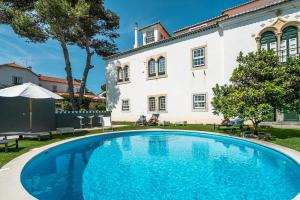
x=286, y=137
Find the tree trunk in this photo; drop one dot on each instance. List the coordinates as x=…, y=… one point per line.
x=85, y=75
x=255, y=126
x=69, y=73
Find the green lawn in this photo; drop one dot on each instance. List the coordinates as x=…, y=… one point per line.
x=285, y=137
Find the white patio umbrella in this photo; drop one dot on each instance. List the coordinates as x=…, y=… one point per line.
x=31, y=91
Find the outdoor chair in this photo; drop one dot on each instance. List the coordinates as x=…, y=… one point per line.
x=230, y=125
x=100, y=119
x=106, y=123
x=153, y=121
x=91, y=120
x=80, y=121
x=142, y=121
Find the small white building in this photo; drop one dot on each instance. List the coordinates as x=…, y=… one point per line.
x=174, y=75
x=58, y=85
x=13, y=74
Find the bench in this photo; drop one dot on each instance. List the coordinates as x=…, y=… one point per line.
x=37, y=134
x=6, y=141
x=63, y=130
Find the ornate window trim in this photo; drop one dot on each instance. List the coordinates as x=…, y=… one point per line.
x=277, y=27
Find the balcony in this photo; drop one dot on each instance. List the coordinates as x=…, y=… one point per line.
x=285, y=54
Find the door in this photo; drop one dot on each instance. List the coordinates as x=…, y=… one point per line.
x=291, y=116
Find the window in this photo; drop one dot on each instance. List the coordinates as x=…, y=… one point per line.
x=161, y=66
x=54, y=88
x=149, y=37
x=17, y=80
x=157, y=103
x=152, y=106
x=199, y=102
x=268, y=41
x=289, y=43
x=162, y=103
x=120, y=74
x=151, y=68
x=198, y=56
x=125, y=105
x=126, y=73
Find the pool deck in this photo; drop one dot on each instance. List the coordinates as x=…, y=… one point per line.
x=10, y=180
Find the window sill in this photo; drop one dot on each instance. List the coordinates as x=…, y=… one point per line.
x=123, y=82
x=157, y=111
x=157, y=77
x=199, y=110
x=125, y=111
x=199, y=67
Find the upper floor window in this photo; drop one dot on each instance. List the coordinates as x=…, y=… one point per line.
x=268, y=41
x=126, y=73
x=54, y=88
x=161, y=66
x=151, y=68
x=198, y=57
x=120, y=74
x=125, y=105
x=289, y=43
x=17, y=80
x=150, y=37
x=199, y=102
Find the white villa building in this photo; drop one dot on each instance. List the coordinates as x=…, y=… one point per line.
x=174, y=74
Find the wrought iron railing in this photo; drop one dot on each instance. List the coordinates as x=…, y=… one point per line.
x=287, y=53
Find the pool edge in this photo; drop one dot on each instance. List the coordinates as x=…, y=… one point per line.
x=10, y=179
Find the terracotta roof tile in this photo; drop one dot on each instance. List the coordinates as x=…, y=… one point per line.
x=11, y=65
x=57, y=80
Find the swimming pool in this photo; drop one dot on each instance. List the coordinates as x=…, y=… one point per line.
x=161, y=165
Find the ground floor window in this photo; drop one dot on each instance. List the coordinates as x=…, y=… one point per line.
x=157, y=103
x=162, y=103
x=125, y=105
x=152, y=106
x=199, y=102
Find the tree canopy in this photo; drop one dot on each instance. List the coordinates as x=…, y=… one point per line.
x=84, y=23
x=259, y=86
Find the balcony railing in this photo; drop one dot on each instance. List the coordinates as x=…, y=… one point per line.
x=285, y=54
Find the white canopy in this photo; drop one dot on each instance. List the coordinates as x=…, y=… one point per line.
x=28, y=90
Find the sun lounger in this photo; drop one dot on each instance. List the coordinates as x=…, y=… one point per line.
x=5, y=142
x=141, y=121
x=153, y=121
x=164, y=123
x=180, y=123
x=37, y=134
x=63, y=130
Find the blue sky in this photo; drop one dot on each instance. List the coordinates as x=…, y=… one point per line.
x=47, y=58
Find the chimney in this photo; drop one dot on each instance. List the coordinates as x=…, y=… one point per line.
x=136, y=39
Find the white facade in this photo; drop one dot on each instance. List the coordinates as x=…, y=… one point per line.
x=58, y=87
x=222, y=44
x=10, y=76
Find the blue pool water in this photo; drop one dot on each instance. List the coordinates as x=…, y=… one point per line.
x=161, y=165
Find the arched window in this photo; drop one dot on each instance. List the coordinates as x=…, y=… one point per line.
x=268, y=41
x=289, y=42
x=120, y=74
x=126, y=73
x=151, y=68
x=161, y=66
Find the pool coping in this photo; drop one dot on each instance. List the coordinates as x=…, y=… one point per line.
x=10, y=180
